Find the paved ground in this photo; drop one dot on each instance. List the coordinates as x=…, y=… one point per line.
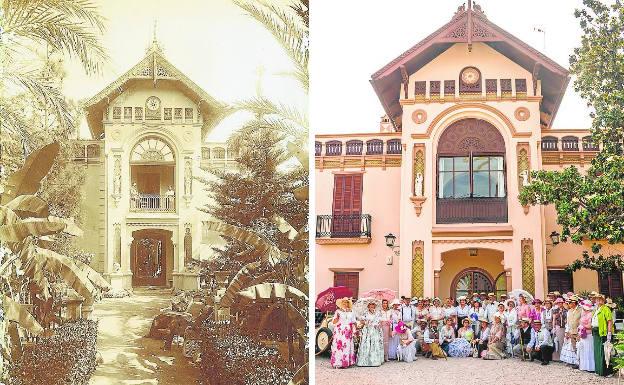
x=457, y=371
x=129, y=358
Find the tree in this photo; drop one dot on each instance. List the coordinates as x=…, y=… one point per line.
x=590, y=207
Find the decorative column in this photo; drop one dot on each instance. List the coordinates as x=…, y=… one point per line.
x=188, y=245
x=508, y=280
x=418, y=269
x=116, y=180
x=117, y=248
x=188, y=180
x=528, y=266
x=524, y=168
x=436, y=283
x=418, y=177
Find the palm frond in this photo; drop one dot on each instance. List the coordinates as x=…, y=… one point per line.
x=263, y=106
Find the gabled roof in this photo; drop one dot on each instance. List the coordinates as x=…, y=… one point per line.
x=470, y=25
x=156, y=68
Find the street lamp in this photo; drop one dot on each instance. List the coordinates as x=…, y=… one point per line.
x=390, y=238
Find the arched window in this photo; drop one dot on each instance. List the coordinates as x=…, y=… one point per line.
x=471, y=280
x=374, y=147
x=219, y=152
x=549, y=143
x=588, y=144
x=471, y=174
x=354, y=147
x=333, y=147
x=152, y=150
x=569, y=143
x=317, y=148
x=393, y=146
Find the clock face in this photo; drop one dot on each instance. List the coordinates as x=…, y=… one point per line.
x=470, y=75
x=153, y=103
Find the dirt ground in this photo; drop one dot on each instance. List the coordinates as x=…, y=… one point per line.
x=129, y=358
x=457, y=371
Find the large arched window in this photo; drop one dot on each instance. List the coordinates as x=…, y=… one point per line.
x=471, y=174
x=152, y=150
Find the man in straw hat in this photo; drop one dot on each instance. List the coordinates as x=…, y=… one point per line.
x=602, y=329
x=407, y=312
x=573, y=318
x=559, y=319
x=482, y=337
x=523, y=336
x=431, y=341
x=541, y=344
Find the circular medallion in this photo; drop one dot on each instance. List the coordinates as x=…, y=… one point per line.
x=152, y=103
x=116, y=134
x=470, y=75
x=522, y=114
x=419, y=116
x=188, y=136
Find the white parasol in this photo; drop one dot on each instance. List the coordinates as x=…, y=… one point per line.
x=515, y=294
x=608, y=350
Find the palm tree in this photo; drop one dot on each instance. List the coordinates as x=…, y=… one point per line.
x=36, y=30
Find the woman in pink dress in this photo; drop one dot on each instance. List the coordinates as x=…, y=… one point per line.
x=585, y=345
x=537, y=312
x=343, y=349
x=523, y=307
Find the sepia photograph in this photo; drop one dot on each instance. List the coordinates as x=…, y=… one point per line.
x=469, y=192
x=154, y=192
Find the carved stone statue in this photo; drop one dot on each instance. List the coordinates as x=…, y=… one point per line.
x=525, y=177
x=117, y=178
x=188, y=246
x=188, y=178
x=418, y=185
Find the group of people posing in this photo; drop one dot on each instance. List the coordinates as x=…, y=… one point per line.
x=562, y=328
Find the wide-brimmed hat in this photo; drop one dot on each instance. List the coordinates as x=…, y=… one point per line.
x=466, y=320
x=573, y=298
x=503, y=296
x=344, y=303
x=587, y=305
x=609, y=302
x=461, y=297
x=536, y=301
x=482, y=293
x=559, y=300
x=511, y=300
x=556, y=293
x=421, y=320
x=593, y=294
x=483, y=319
x=537, y=321
x=435, y=319
x=548, y=300
x=401, y=327
x=436, y=299
x=598, y=295
x=395, y=302
x=525, y=319
x=368, y=300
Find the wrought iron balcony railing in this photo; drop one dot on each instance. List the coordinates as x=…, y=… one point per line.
x=343, y=226
x=153, y=203
x=471, y=210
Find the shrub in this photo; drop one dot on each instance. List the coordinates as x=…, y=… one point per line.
x=68, y=357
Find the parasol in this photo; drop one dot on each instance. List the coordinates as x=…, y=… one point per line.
x=326, y=300
x=515, y=294
x=608, y=350
x=380, y=294
x=361, y=306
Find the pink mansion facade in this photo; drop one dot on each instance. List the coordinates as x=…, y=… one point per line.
x=469, y=111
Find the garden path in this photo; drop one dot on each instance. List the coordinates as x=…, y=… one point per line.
x=128, y=357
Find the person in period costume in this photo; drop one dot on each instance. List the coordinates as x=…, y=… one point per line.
x=541, y=344
x=602, y=329
x=523, y=336
x=436, y=310
x=613, y=306
x=463, y=311
x=491, y=307
x=547, y=315
x=421, y=311
x=447, y=334
x=407, y=312
x=407, y=345
x=496, y=342
x=431, y=341
x=386, y=325
x=559, y=317
x=537, y=312
x=585, y=345
x=461, y=346
x=394, y=318
x=476, y=312
x=480, y=342
x=500, y=311
x=511, y=324
x=523, y=307
x=419, y=334
x=343, y=349
x=371, y=351
x=450, y=311
x=573, y=317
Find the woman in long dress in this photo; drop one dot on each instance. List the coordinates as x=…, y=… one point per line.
x=371, y=351
x=407, y=345
x=343, y=350
x=511, y=324
x=585, y=345
x=523, y=307
x=476, y=313
x=394, y=317
x=461, y=346
x=436, y=310
x=496, y=342
x=386, y=326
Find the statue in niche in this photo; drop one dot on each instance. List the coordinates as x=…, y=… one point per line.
x=188, y=246
x=525, y=177
x=418, y=185
x=188, y=178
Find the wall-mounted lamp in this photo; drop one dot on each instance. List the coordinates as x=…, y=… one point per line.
x=554, y=239
x=390, y=240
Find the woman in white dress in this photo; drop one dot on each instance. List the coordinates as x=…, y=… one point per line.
x=585, y=345
x=343, y=349
x=436, y=310
x=371, y=351
x=476, y=313
x=395, y=318
x=407, y=345
x=511, y=324
x=450, y=311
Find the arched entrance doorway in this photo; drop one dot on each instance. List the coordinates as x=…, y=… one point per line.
x=148, y=257
x=472, y=280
